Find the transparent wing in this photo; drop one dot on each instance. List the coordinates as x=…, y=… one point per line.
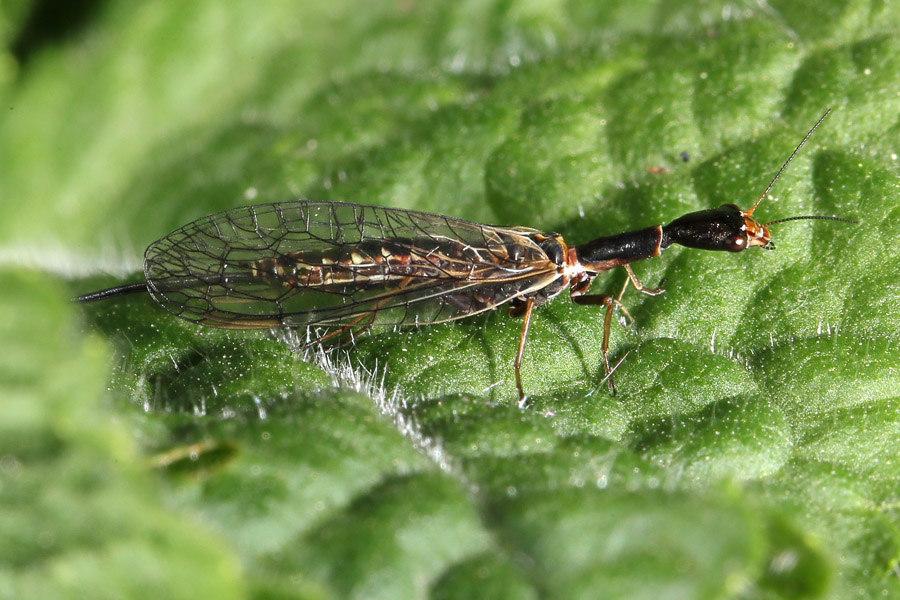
x=336, y=264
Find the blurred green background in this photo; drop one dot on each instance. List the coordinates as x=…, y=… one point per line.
x=751, y=451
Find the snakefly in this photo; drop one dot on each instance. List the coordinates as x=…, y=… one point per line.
x=345, y=267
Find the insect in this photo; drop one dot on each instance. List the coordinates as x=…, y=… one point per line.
x=346, y=267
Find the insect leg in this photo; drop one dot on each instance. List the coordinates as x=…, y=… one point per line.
x=341, y=332
x=363, y=322
x=526, y=323
x=621, y=306
x=638, y=285
x=610, y=303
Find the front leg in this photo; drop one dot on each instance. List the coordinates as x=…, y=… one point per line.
x=638, y=285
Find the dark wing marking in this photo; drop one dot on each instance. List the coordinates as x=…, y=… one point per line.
x=334, y=264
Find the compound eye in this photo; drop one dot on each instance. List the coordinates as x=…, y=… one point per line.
x=736, y=243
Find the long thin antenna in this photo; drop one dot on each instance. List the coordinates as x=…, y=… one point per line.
x=811, y=217
x=787, y=162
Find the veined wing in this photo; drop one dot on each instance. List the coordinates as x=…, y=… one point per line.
x=334, y=264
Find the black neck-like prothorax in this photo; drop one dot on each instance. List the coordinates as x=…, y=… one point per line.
x=606, y=253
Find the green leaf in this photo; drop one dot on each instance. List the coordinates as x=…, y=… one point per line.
x=81, y=517
x=749, y=451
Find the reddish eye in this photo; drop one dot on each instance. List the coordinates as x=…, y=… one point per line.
x=736, y=243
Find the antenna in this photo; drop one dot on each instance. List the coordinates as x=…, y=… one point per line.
x=811, y=217
x=786, y=163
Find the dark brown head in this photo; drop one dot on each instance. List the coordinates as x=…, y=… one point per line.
x=724, y=228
